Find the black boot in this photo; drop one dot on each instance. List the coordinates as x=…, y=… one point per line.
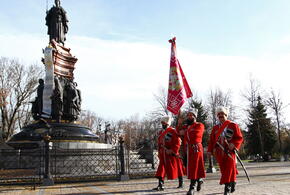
x=233, y=186
x=227, y=189
x=191, y=187
x=199, y=183
x=180, y=182
x=160, y=185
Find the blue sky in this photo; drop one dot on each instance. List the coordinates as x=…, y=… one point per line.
x=234, y=27
x=124, y=54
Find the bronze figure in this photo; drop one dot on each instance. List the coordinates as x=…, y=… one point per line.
x=56, y=21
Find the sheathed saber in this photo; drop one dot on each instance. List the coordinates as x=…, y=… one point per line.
x=238, y=157
x=242, y=164
x=225, y=151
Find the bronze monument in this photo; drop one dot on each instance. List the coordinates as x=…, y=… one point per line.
x=58, y=103
x=56, y=21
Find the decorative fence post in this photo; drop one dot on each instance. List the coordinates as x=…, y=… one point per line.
x=123, y=174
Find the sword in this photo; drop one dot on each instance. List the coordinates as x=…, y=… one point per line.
x=242, y=164
x=240, y=161
x=225, y=151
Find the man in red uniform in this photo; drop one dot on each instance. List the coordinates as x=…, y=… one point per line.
x=195, y=163
x=224, y=139
x=169, y=161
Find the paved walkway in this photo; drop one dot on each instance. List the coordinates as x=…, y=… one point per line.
x=266, y=179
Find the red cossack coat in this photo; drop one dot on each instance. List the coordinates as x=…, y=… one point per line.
x=170, y=165
x=195, y=162
x=230, y=134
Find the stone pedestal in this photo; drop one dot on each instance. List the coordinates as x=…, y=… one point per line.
x=80, y=145
x=63, y=135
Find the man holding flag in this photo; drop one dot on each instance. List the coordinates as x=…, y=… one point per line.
x=169, y=142
x=178, y=88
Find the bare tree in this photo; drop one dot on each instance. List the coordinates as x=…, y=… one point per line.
x=218, y=98
x=136, y=130
x=3, y=96
x=130, y=128
x=275, y=103
x=251, y=94
x=161, y=98
x=91, y=120
x=17, y=84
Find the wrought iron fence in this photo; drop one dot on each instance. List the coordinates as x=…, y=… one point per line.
x=80, y=164
x=77, y=164
x=21, y=166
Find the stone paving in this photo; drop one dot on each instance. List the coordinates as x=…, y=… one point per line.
x=266, y=179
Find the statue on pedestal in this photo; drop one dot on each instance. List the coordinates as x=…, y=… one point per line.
x=71, y=105
x=56, y=21
x=57, y=100
x=37, y=104
x=58, y=103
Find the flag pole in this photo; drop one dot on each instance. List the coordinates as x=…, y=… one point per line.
x=178, y=88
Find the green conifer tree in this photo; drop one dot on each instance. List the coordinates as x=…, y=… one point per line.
x=261, y=135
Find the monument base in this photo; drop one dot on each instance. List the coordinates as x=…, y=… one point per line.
x=64, y=135
x=63, y=144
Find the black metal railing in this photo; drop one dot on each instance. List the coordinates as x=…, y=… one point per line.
x=61, y=165
x=80, y=164
x=21, y=165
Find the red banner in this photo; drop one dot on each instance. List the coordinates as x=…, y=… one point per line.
x=178, y=89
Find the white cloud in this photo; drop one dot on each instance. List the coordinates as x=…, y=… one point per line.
x=118, y=78
x=27, y=48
